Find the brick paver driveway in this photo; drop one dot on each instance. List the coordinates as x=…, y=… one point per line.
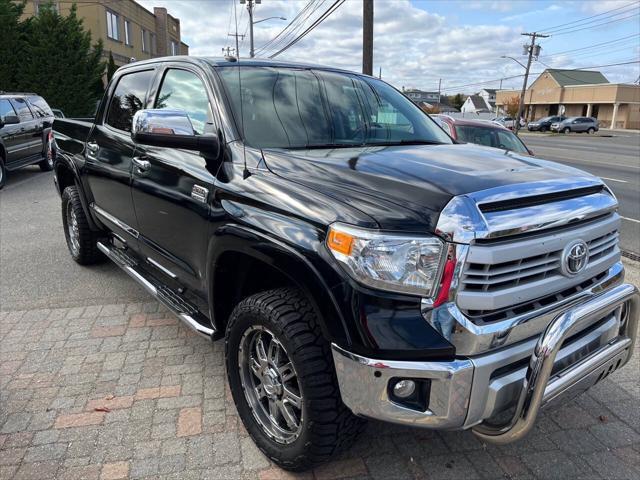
x=125, y=391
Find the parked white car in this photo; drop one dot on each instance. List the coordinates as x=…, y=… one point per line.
x=509, y=122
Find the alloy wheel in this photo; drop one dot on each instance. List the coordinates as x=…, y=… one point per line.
x=270, y=385
x=73, y=229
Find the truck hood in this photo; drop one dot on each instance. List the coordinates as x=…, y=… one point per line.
x=406, y=187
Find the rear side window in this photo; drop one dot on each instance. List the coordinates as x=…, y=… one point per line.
x=21, y=107
x=129, y=97
x=183, y=90
x=40, y=107
x=6, y=108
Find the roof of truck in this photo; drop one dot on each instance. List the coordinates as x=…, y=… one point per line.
x=227, y=62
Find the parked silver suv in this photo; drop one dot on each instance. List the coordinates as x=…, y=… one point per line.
x=576, y=124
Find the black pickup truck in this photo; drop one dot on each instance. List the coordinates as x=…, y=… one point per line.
x=357, y=261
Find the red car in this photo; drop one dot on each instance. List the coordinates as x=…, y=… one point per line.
x=482, y=132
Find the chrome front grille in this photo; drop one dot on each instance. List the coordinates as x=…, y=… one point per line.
x=495, y=277
x=506, y=274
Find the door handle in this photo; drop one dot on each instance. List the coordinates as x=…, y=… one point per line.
x=142, y=165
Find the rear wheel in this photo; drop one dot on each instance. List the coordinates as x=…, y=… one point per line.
x=283, y=381
x=543, y=129
x=566, y=130
x=81, y=240
x=591, y=131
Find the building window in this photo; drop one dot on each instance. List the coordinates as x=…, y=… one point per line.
x=127, y=33
x=154, y=47
x=175, y=48
x=112, y=26
x=145, y=47
x=46, y=4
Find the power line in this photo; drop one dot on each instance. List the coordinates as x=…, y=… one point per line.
x=584, y=55
x=556, y=27
x=291, y=30
x=588, y=47
x=337, y=4
x=588, y=27
x=536, y=73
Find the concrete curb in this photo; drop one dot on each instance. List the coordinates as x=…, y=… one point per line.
x=632, y=271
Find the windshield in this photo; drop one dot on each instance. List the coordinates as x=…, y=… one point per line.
x=303, y=108
x=491, y=137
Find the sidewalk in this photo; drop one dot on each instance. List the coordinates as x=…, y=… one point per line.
x=125, y=391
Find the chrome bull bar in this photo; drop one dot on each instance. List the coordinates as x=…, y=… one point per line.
x=537, y=389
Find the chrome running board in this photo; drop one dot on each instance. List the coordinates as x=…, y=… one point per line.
x=178, y=305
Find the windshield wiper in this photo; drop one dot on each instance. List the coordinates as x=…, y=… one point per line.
x=407, y=142
x=325, y=145
x=365, y=144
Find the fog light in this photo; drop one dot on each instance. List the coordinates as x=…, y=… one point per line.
x=404, y=388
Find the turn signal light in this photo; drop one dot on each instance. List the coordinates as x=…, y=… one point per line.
x=340, y=242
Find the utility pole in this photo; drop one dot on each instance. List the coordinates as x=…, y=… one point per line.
x=439, y=87
x=237, y=35
x=367, y=37
x=534, y=51
x=250, y=5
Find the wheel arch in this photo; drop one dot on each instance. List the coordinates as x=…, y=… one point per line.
x=67, y=176
x=242, y=261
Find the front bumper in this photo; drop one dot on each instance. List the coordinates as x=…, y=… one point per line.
x=580, y=346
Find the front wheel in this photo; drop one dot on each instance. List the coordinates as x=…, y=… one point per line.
x=566, y=130
x=543, y=129
x=283, y=381
x=81, y=240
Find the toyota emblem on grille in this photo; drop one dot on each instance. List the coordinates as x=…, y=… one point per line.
x=574, y=258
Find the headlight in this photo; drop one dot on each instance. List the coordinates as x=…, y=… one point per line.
x=398, y=263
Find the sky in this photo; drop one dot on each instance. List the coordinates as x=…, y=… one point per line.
x=419, y=42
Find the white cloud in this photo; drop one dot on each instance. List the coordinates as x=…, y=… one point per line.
x=495, y=5
x=601, y=6
x=414, y=48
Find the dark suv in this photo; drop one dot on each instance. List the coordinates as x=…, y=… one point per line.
x=25, y=132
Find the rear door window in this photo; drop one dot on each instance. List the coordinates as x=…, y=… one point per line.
x=39, y=107
x=6, y=108
x=129, y=96
x=22, y=109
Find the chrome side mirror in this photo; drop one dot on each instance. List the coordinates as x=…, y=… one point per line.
x=172, y=129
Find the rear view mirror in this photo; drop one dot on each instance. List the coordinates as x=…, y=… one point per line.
x=173, y=129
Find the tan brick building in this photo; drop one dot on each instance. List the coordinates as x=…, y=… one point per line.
x=127, y=29
x=582, y=93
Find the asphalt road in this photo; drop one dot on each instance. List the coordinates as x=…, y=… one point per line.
x=36, y=270
x=615, y=159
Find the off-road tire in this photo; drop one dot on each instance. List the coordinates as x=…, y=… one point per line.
x=566, y=130
x=87, y=252
x=328, y=426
